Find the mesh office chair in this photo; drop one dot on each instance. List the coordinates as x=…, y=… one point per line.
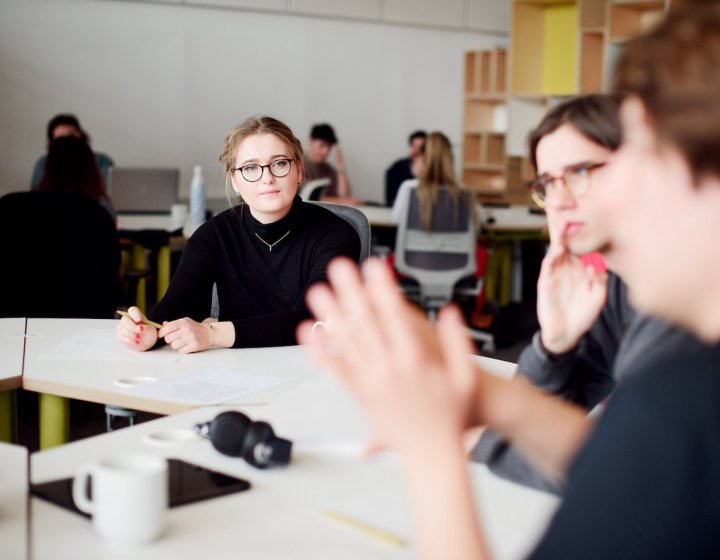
x=440, y=260
x=313, y=190
x=62, y=259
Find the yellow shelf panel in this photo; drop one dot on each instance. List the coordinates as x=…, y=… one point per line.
x=560, y=24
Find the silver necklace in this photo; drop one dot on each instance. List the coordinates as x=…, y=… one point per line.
x=271, y=245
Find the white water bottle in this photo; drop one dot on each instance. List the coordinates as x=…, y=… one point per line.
x=197, y=197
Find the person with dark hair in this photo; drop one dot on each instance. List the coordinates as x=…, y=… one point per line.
x=69, y=125
x=322, y=142
x=590, y=337
x=262, y=255
x=643, y=482
x=71, y=168
x=405, y=168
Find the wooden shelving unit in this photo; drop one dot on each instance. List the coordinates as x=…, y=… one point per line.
x=558, y=48
x=485, y=123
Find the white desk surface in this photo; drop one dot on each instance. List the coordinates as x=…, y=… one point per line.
x=95, y=380
x=12, y=346
x=13, y=501
x=379, y=216
x=146, y=221
x=280, y=516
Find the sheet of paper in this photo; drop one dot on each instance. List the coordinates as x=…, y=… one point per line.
x=207, y=386
x=101, y=345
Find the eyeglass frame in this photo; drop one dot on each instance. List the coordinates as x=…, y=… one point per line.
x=262, y=169
x=586, y=166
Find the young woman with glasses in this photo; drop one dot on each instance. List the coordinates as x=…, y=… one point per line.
x=590, y=337
x=262, y=255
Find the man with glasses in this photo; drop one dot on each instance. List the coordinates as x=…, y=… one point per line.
x=589, y=338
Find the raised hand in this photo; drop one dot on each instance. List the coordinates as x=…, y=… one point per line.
x=570, y=295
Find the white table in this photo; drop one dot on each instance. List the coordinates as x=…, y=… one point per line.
x=13, y=501
x=379, y=216
x=280, y=516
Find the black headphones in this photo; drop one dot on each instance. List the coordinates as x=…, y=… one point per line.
x=234, y=434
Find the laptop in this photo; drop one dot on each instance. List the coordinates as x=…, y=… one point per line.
x=143, y=190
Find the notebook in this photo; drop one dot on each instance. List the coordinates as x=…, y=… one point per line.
x=143, y=190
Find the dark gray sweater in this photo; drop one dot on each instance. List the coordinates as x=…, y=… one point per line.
x=620, y=341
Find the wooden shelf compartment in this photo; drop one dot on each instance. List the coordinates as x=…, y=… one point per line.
x=628, y=19
x=592, y=14
x=485, y=115
x=485, y=72
x=592, y=61
x=544, y=47
x=484, y=150
x=478, y=179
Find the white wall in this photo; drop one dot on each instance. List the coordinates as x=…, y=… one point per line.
x=161, y=84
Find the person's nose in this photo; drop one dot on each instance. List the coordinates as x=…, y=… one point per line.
x=267, y=177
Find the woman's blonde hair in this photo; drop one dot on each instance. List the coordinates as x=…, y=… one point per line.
x=438, y=171
x=250, y=127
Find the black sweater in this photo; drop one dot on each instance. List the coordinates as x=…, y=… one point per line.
x=261, y=291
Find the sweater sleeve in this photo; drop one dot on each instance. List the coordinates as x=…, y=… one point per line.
x=583, y=376
x=278, y=329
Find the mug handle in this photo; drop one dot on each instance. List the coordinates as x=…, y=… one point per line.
x=79, y=488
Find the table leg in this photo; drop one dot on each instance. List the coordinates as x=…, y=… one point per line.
x=54, y=420
x=8, y=416
x=139, y=262
x=505, y=265
x=163, y=271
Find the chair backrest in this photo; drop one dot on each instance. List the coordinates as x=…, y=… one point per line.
x=61, y=257
x=312, y=190
x=441, y=256
x=357, y=220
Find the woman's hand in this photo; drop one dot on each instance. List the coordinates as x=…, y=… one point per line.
x=187, y=336
x=133, y=334
x=415, y=382
x=570, y=295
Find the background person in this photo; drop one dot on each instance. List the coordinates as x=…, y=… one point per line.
x=69, y=125
x=405, y=168
x=321, y=143
x=70, y=168
x=263, y=255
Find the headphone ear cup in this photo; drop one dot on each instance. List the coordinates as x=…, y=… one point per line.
x=256, y=448
x=228, y=431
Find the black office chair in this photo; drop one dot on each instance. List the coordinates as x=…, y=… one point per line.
x=61, y=260
x=61, y=255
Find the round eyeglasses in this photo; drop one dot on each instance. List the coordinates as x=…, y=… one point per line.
x=576, y=179
x=253, y=172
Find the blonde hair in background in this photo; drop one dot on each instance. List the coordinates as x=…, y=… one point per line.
x=250, y=127
x=438, y=171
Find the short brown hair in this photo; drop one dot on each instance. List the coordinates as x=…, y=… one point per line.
x=594, y=116
x=675, y=71
x=258, y=125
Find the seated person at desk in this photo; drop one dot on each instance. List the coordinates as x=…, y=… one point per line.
x=590, y=337
x=69, y=125
x=263, y=255
x=70, y=168
x=322, y=142
x=406, y=168
x=643, y=483
x=437, y=172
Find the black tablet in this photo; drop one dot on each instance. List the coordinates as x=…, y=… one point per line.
x=187, y=483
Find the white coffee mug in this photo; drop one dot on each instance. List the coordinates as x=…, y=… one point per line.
x=178, y=215
x=129, y=497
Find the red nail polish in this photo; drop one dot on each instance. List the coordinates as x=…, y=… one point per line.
x=141, y=328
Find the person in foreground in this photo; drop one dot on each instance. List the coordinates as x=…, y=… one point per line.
x=262, y=255
x=590, y=337
x=645, y=483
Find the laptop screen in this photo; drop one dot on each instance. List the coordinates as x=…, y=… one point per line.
x=143, y=190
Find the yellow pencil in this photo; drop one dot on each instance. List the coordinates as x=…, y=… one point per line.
x=365, y=528
x=145, y=322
